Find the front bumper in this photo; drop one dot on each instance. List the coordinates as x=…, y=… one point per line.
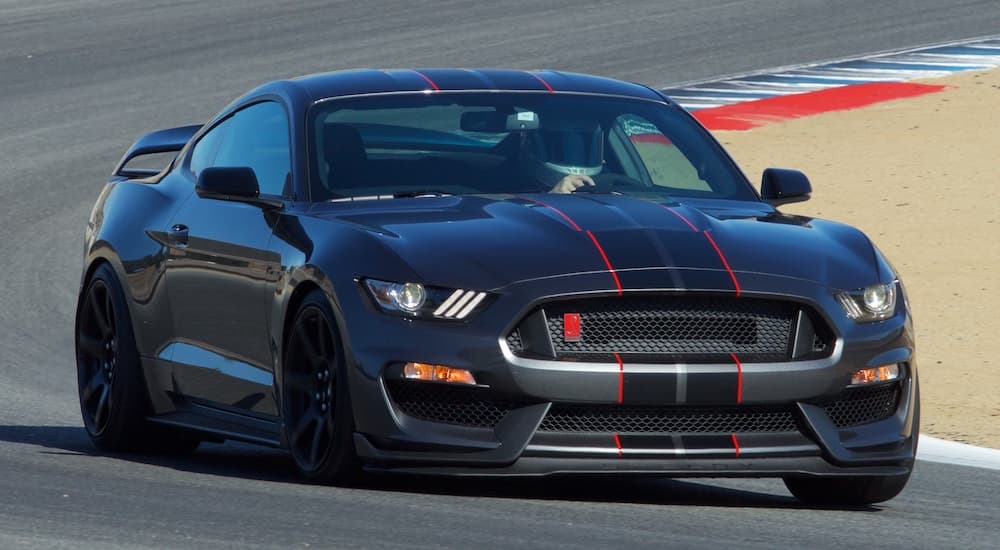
x=390, y=438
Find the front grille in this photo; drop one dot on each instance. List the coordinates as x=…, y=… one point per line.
x=450, y=404
x=668, y=420
x=694, y=329
x=859, y=406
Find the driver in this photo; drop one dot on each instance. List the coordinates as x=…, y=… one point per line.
x=565, y=153
x=571, y=183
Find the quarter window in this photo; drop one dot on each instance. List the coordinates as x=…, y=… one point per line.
x=204, y=151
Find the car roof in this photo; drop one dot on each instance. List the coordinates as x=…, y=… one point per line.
x=370, y=81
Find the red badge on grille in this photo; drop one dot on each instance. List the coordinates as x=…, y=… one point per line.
x=571, y=327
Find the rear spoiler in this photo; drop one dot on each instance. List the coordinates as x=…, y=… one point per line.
x=170, y=140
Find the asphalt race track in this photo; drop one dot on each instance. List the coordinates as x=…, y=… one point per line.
x=79, y=82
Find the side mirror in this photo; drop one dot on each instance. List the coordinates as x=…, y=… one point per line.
x=781, y=186
x=231, y=183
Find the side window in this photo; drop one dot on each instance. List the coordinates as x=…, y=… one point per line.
x=666, y=164
x=256, y=137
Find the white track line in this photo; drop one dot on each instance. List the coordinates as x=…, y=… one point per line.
x=933, y=449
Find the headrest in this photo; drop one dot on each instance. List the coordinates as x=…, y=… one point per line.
x=342, y=141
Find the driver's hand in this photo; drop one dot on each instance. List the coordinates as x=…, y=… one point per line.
x=571, y=183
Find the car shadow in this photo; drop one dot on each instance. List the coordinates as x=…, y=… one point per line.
x=260, y=463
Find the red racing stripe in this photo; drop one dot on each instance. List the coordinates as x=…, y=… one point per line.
x=556, y=210
x=739, y=378
x=736, y=284
x=736, y=445
x=544, y=83
x=593, y=239
x=618, y=443
x=428, y=79
x=607, y=262
x=679, y=215
x=621, y=378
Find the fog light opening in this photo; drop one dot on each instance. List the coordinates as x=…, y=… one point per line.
x=875, y=375
x=437, y=373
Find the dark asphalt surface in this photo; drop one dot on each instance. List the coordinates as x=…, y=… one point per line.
x=80, y=81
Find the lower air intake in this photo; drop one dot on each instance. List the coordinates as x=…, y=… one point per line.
x=449, y=404
x=859, y=406
x=669, y=420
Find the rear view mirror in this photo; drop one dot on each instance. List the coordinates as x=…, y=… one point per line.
x=782, y=186
x=484, y=121
x=495, y=122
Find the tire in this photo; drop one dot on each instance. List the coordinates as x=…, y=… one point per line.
x=857, y=491
x=846, y=491
x=113, y=399
x=316, y=405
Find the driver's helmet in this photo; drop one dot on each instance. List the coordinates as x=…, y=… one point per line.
x=562, y=146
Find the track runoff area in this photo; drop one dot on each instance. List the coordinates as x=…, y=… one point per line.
x=749, y=101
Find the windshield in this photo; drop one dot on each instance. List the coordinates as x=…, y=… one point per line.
x=499, y=143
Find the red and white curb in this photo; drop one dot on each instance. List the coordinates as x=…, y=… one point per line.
x=933, y=449
x=748, y=101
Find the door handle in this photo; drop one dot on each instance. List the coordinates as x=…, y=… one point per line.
x=178, y=235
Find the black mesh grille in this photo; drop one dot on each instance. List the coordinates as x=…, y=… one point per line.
x=514, y=341
x=672, y=420
x=864, y=405
x=679, y=328
x=450, y=404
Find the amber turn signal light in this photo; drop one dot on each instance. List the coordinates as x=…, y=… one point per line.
x=437, y=373
x=873, y=375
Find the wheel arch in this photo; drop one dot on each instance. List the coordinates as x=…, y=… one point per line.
x=94, y=263
x=306, y=281
x=103, y=254
x=301, y=282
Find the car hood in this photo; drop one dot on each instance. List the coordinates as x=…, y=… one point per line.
x=492, y=242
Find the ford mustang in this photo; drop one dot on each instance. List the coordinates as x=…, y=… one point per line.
x=489, y=272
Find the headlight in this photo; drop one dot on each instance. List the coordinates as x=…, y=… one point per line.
x=417, y=300
x=872, y=303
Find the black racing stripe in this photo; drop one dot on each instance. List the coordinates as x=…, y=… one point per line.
x=574, y=82
x=453, y=79
x=716, y=388
x=633, y=442
x=722, y=442
x=407, y=79
x=642, y=388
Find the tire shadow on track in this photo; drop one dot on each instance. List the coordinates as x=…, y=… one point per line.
x=251, y=462
x=647, y=490
x=230, y=460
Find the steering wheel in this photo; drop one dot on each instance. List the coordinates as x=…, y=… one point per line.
x=612, y=183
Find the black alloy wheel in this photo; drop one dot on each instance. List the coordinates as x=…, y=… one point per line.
x=316, y=405
x=113, y=398
x=97, y=357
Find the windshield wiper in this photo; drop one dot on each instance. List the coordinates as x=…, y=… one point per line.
x=420, y=193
